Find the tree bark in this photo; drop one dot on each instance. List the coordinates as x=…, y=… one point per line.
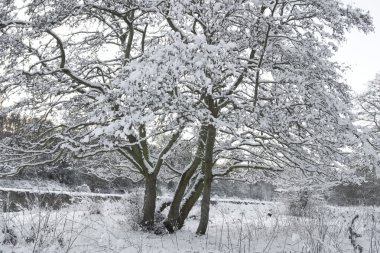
x=207, y=165
x=150, y=197
x=190, y=202
x=172, y=221
x=205, y=207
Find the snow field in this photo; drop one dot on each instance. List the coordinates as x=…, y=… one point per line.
x=253, y=227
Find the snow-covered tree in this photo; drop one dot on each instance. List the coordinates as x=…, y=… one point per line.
x=251, y=81
x=73, y=62
x=369, y=122
x=272, y=100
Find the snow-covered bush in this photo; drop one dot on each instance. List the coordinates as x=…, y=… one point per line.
x=302, y=205
x=83, y=188
x=130, y=207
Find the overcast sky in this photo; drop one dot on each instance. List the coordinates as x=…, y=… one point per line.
x=362, y=52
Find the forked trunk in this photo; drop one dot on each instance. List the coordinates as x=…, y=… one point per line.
x=189, y=203
x=173, y=221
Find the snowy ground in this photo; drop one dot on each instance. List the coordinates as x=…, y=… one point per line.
x=111, y=227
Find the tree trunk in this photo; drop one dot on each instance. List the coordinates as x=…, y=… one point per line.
x=172, y=221
x=149, y=207
x=207, y=165
x=205, y=207
x=190, y=202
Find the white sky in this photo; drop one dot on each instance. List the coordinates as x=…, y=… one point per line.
x=362, y=52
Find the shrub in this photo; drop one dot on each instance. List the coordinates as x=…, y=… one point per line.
x=301, y=205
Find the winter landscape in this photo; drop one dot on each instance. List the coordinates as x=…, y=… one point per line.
x=188, y=126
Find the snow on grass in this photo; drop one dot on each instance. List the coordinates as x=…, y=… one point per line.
x=248, y=227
